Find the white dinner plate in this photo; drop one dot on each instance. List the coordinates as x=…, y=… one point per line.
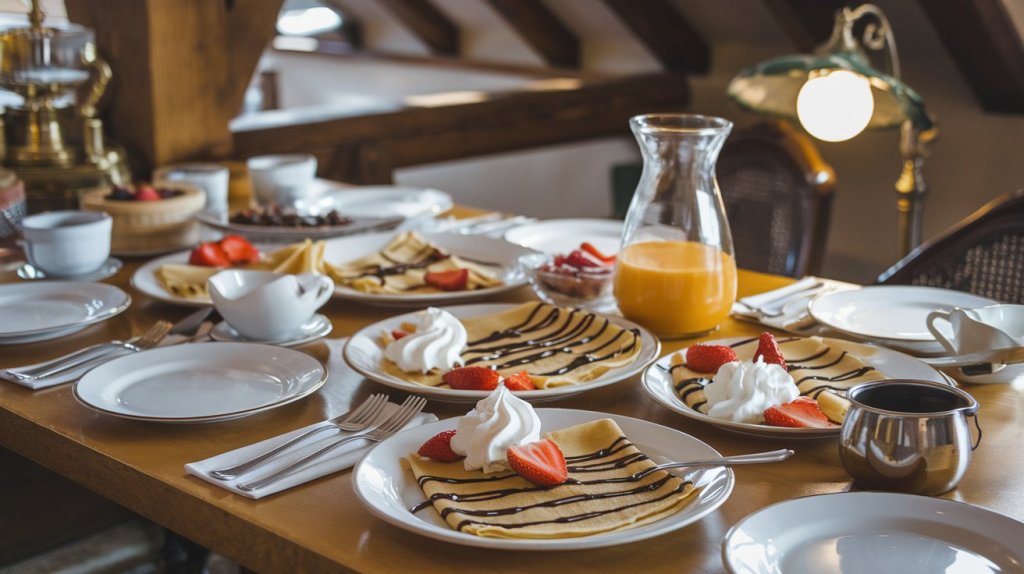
x=317, y=327
x=874, y=533
x=44, y=310
x=657, y=381
x=560, y=236
x=894, y=312
x=385, y=201
x=200, y=382
x=389, y=490
x=364, y=353
x=476, y=248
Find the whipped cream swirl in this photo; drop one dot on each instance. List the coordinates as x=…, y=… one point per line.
x=741, y=391
x=437, y=343
x=500, y=420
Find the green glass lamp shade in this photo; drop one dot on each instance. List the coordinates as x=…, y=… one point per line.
x=771, y=88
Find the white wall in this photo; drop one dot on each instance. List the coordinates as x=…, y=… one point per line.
x=978, y=157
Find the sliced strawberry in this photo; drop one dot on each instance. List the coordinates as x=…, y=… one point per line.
x=589, y=248
x=801, y=413
x=397, y=334
x=146, y=193
x=209, y=255
x=454, y=280
x=768, y=349
x=239, y=250
x=439, y=448
x=472, y=379
x=708, y=358
x=580, y=261
x=541, y=462
x=520, y=381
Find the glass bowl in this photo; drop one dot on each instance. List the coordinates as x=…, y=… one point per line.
x=587, y=288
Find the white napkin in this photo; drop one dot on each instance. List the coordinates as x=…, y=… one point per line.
x=342, y=458
x=795, y=317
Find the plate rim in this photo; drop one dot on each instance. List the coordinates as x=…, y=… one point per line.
x=874, y=507
x=561, y=221
x=207, y=418
x=320, y=318
x=863, y=335
x=557, y=544
x=654, y=390
x=446, y=201
x=114, y=310
x=465, y=396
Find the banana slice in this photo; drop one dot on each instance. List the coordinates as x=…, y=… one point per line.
x=833, y=405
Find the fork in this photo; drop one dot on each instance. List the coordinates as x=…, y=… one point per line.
x=401, y=417
x=755, y=458
x=359, y=419
x=147, y=340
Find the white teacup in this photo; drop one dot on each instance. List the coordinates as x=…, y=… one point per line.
x=212, y=178
x=268, y=306
x=284, y=179
x=67, y=243
x=979, y=330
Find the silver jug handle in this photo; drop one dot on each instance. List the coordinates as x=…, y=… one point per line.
x=977, y=424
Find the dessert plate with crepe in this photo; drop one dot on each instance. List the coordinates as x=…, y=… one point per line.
x=816, y=364
x=389, y=269
x=393, y=497
x=512, y=333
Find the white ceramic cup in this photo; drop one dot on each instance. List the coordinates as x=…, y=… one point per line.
x=284, y=179
x=268, y=306
x=67, y=243
x=979, y=330
x=212, y=178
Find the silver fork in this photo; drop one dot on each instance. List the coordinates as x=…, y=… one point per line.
x=89, y=355
x=755, y=458
x=401, y=417
x=359, y=419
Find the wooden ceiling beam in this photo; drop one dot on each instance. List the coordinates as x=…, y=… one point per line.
x=542, y=30
x=429, y=24
x=665, y=32
x=981, y=38
x=807, y=23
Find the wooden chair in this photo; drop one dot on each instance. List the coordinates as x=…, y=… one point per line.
x=983, y=254
x=778, y=198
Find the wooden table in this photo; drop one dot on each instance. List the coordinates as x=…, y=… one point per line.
x=322, y=527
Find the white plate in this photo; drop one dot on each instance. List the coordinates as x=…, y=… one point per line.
x=318, y=326
x=385, y=201
x=894, y=312
x=657, y=381
x=560, y=236
x=364, y=354
x=200, y=382
x=874, y=533
x=389, y=490
x=475, y=247
x=144, y=280
x=44, y=310
x=109, y=268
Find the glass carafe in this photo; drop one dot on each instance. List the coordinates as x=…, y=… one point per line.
x=676, y=274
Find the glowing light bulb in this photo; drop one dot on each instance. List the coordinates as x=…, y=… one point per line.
x=834, y=106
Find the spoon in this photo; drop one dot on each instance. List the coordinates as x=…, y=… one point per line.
x=754, y=458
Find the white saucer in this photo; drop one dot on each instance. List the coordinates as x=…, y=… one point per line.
x=45, y=310
x=109, y=268
x=317, y=327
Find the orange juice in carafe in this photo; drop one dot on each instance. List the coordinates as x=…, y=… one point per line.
x=675, y=288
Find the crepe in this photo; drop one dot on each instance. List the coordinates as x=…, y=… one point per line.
x=555, y=345
x=189, y=281
x=610, y=499
x=401, y=266
x=813, y=364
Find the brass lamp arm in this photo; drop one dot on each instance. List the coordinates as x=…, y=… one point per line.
x=878, y=35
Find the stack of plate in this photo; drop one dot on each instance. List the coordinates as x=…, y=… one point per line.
x=46, y=310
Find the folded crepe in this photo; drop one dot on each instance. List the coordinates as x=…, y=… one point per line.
x=555, y=345
x=813, y=364
x=189, y=281
x=401, y=266
x=600, y=496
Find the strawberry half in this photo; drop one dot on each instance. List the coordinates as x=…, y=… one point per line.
x=397, y=334
x=520, y=381
x=768, y=349
x=708, y=358
x=239, y=250
x=209, y=255
x=472, y=379
x=453, y=280
x=146, y=193
x=541, y=462
x=804, y=412
x=439, y=448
